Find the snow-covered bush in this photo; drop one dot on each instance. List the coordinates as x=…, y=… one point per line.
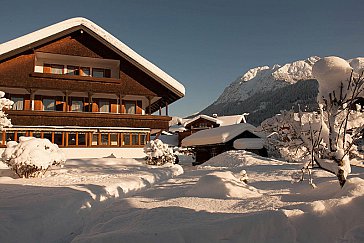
x=4, y=103
x=32, y=157
x=326, y=138
x=158, y=153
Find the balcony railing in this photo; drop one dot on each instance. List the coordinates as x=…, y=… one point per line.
x=86, y=119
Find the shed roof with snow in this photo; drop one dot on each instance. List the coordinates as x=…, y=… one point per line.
x=220, y=120
x=219, y=135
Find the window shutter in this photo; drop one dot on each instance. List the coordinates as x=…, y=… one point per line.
x=27, y=102
x=107, y=73
x=95, y=106
x=59, y=104
x=123, y=107
x=114, y=106
x=139, y=109
x=38, y=105
x=47, y=68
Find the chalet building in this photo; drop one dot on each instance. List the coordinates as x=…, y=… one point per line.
x=78, y=86
x=211, y=142
x=201, y=122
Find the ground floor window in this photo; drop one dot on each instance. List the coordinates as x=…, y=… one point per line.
x=83, y=139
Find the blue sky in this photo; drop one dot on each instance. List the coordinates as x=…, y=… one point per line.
x=207, y=44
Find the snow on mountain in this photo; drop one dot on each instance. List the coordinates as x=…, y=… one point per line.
x=264, y=91
x=266, y=78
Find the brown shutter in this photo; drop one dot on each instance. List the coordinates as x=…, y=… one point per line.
x=38, y=105
x=95, y=106
x=27, y=105
x=139, y=109
x=114, y=106
x=47, y=68
x=107, y=73
x=59, y=104
x=123, y=107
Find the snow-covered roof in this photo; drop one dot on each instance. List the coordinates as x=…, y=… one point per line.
x=206, y=117
x=39, y=37
x=231, y=120
x=221, y=120
x=177, y=128
x=218, y=135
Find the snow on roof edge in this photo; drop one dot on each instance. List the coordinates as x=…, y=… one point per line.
x=218, y=135
x=54, y=29
x=204, y=117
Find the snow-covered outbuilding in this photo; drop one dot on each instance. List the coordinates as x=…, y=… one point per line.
x=202, y=122
x=211, y=142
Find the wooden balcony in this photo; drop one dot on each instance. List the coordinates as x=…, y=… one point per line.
x=86, y=119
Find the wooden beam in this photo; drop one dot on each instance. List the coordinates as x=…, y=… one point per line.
x=149, y=105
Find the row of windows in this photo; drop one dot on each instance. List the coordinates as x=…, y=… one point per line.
x=77, y=71
x=80, y=139
x=77, y=104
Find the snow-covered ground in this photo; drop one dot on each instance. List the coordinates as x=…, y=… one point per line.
x=55, y=208
x=115, y=200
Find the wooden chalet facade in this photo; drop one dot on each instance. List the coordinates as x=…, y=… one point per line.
x=77, y=85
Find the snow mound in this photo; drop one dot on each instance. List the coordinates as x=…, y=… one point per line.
x=357, y=64
x=224, y=160
x=330, y=72
x=32, y=153
x=222, y=184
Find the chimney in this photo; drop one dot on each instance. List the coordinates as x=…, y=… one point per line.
x=214, y=115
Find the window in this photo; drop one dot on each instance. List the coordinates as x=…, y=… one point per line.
x=98, y=73
x=104, y=105
x=95, y=139
x=77, y=70
x=135, y=139
x=76, y=105
x=37, y=134
x=48, y=135
x=53, y=68
x=81, y=139
x=101, y=73
x=21, y=134
x=130, y=107
x=104, y=139
x=10, y=136
x=143, y=139
x=113, y=139
x=72, y=139
x=18, y=103
x=58, y=138
x=73, y=70
x=49, y=104
x=85, y=71
x=126, y=137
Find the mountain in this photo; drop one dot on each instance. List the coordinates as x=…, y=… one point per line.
x=265, y=91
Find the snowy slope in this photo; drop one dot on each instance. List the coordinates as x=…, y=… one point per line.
x=263, y=91
x=266, y=78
